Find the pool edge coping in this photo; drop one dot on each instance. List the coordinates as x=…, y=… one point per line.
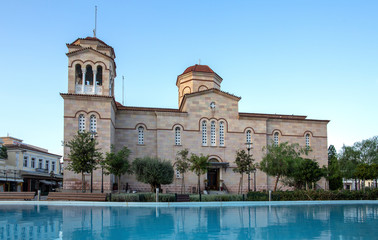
x=186, y=204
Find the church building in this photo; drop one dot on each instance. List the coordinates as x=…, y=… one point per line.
x=207, y=121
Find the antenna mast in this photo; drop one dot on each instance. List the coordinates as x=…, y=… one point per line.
x=95, y=29
x=123, y=90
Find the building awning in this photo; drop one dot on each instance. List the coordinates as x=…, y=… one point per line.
x=48, y=182
x=41, y=175
x=3, y=179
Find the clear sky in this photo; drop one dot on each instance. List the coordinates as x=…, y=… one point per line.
x=317, y=58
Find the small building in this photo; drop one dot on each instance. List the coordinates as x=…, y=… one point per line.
x=29, y=168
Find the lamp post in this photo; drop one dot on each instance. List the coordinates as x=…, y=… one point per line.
x=93, y=134
x=102, y=178
x=249, y=146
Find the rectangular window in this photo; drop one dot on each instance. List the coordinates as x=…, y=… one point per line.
x=221, y=134
x=26, y=161
x=40, y=161
x=53, y=166
x=178, y=175
x=204, y=133
x=47, y=165
x=212, y=133
x=33, y=163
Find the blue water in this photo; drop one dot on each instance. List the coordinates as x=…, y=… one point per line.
x=336, y=221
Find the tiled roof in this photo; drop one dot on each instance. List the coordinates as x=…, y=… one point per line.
x=198, y=68
x=213, y=90
x=130, y=108
x=85, y=95
x=275, y=116
x=89, y=38
x=28, y=147
x=87, y=48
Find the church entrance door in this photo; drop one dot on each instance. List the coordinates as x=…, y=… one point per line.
x=213, y=178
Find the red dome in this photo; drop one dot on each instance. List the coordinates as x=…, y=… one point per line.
x=198, y=68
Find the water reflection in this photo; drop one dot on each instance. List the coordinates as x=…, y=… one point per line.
x=262, y=222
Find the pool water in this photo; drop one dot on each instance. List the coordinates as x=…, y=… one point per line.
x=330, y=221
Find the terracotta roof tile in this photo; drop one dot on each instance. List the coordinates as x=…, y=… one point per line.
x=198, y=68
x=28, y=147
x=87, y=48
x=274, y=116
x=130, y=108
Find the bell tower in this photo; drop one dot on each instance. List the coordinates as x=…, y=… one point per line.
x=89, y=104
x=91, y=67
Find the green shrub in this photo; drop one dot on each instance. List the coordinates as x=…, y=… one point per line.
x=369, y=194
x=216, y=198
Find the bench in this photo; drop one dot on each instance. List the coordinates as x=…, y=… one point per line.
x=17, y=195
x=68, y=196
x=182, y=197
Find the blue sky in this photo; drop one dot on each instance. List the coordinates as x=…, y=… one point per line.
x=315, y=58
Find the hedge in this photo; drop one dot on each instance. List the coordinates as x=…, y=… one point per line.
x=254, y=196
x=314, y=195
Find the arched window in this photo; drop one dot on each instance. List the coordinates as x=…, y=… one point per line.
x=177, y=136
x=275, y=139
x=99, y=76
x=93, y=124
x=204, y=133
x=89, y=75
x=78, y=74
x=212, y=133
x=81, y=123
x=307, y=140
x=248, y=137
x=140, y=135
x=221, y=134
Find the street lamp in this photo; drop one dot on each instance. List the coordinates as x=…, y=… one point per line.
x=249, y=146
x=102, y=178
x=93, y=134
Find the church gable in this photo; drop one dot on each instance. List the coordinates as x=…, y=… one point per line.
x=211, y=103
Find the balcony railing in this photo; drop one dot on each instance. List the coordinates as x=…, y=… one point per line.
x=88, y=89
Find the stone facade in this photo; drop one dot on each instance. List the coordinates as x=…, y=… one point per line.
x=200, y=100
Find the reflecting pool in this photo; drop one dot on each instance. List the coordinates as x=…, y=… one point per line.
x=333, y=221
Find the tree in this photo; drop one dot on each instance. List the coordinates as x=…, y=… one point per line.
x=332, y=173
x=363, y=172
x=153, y=171
x=83, y=155
x=3, y=152
x=309, y=171
x=199, y=165
x=117, y=163
x=278, y=158
x=182, y=166
x=368, y=150
x=349, y=158
x=244, y=164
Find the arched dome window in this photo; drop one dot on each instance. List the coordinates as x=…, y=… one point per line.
x=204, y=133
x=212, y=133
x=81, y=123
x=221, y=134
x=93, y=124
x=177, y=136
x=248, y=137
x=140, y=135
x=307, y=140
x=275, y=138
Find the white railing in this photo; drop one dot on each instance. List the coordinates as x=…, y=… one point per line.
x=88, y=89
